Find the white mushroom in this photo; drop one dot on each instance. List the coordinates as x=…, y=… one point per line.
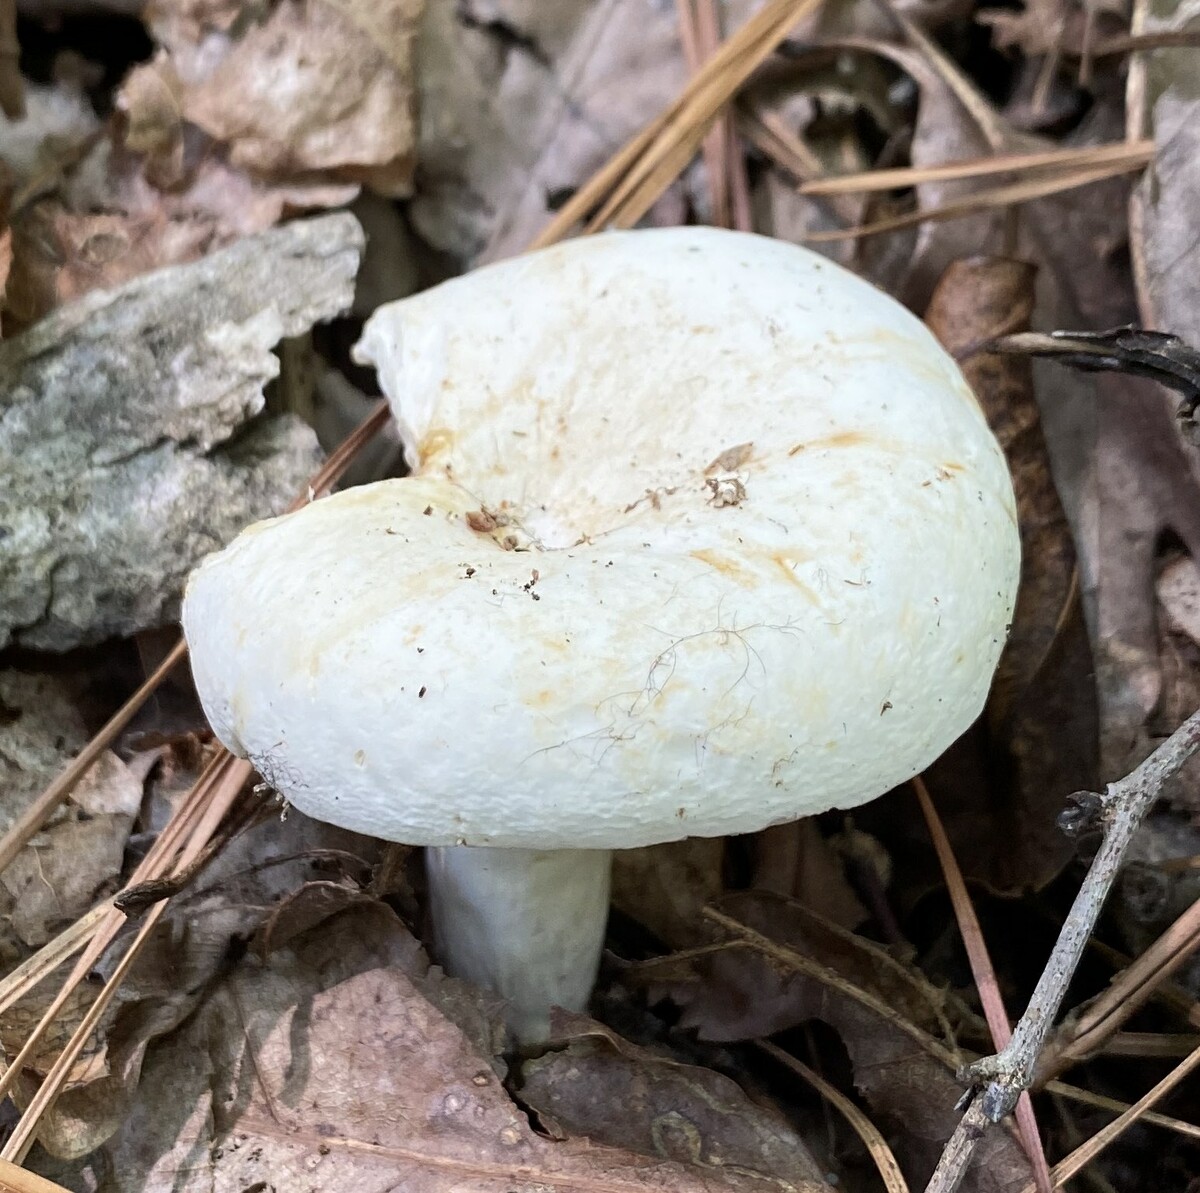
x=703, y=534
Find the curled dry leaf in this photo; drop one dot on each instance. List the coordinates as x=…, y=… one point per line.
x=314, y=87
x=618, y=1094
x=106, y=224
x=320, y=86
x=663, y=887
x=181, y=24
x=1042, y=27
x=1164, y=104
x=305, y=108
x=797, y=860
x=325, y=1067
x=60, y=255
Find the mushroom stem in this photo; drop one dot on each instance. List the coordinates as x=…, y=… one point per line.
x=526, y=923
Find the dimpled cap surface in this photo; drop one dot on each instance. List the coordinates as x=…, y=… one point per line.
x=704, y=534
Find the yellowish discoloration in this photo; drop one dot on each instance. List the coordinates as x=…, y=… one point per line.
x=787, y=562
x=726, y=566
x=435, y=442
x=842, y=439
x=414, y=632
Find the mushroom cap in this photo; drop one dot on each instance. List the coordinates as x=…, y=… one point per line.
x=704, y=534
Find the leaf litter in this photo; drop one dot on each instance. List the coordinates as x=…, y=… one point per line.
x=279, y=1024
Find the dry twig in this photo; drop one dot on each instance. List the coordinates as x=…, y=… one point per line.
x=1000, y=1079
x=1099, y=1023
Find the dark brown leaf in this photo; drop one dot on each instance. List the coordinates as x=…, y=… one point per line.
x=663, y=887
x=1041, y=718
x=621, y=1095
x=324, y=1067
x=894, y=1031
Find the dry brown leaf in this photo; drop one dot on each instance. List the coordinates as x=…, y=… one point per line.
x=862, y=963
x=798, y=861
x=520, y=103
x=324, y=1067
x=905, y=1073
x=663, y=887
x=108, y=223
x=320, y=86
x=152, y=100
x=1041, y=718
x=618, y=1094
x=311, y=905
x=178, y=24
x=248, y=886
x=59, y=875
x=1044, y=27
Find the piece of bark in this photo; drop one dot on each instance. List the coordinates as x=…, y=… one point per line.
x=121, y=440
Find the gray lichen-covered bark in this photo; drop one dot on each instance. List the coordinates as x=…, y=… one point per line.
x=125, y=452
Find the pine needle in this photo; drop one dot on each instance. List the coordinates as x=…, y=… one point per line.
x=882, y=1155
x=984, y=200
x=1133, y=156
x=20, y=1180
x=985, y=978
x=1083, y=1155
x=620, y=193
